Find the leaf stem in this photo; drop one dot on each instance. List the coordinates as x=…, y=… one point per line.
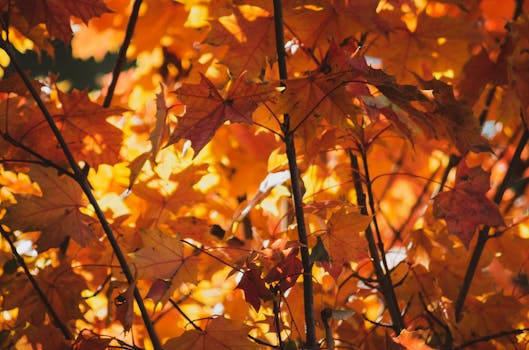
x=308, y=292
x=49, y=308
x=122, y=55
x=181, y=312
x=82, y=180
x=383, y=274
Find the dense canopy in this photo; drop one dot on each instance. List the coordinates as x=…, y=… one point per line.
x=258, y=174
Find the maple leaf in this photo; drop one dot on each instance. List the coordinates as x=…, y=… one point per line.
x=162, y=257
x=55, y=14
x=342, y=239
x=61, y=287
x=249, y=34
x=498, y=312
x=286, y=271
x=220, y=333
x=85, y=121
x=87, y=340
x=254, y=287
x=56, y=213
x=466, y=206
x=442, y=117
x=83, y=126
x=436, y=44
x=454, y=120
x=161, y=207
x=207, y=110
x=46, y=336
x=317, y=22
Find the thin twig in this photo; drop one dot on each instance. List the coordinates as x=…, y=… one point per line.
x=308, y=292
x=492, y=336
x=277, y=312
x=122, y=55
x=175, y=305
x=49, y=308
x=447, y=344
x=383, y=275
x=262, y=342
x=419, y=202
x=81, y=179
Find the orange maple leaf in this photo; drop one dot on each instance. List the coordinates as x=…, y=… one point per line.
x=207, y=109
x=62, y=288
x=220, y=333
x=342, y=240
x=82, y=123
x=411, y=340
x=55, y=213
x=162, y=257
x=249, y=33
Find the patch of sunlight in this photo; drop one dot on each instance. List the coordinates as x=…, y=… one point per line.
x=207, y=182
x=523, y=230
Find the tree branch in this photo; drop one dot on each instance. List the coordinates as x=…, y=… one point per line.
x=492, y=336
x=308, y=292
x=122, y=55
x=383, y=275
x=51, y=311
x=181, y=312
x=82, y=180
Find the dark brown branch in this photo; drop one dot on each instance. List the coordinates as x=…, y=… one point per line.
x=49, y=308
x=452, y=162
x=383, y=275
x=81, y=179
x=491, y=337
x=308, y=292
x=122, y=55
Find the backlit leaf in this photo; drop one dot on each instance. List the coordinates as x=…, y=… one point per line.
x=466, y=206
x=207, y=110
x=219, y=333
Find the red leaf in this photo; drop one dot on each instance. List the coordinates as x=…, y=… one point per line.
x=466, y=206
x=286, y=271
x=125, y=307
x=254, y=287
x=87, y=340
x=55, y=14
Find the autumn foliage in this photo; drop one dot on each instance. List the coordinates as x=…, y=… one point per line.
x=287, y=174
